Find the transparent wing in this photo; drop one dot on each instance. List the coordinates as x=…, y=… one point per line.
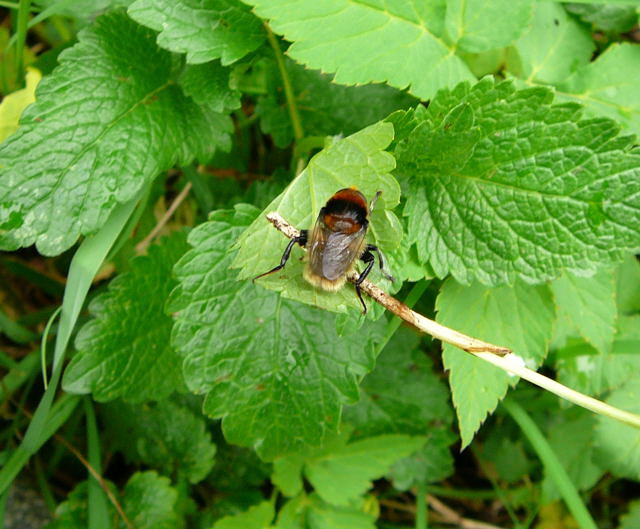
x=341, y=250
x=331, y=254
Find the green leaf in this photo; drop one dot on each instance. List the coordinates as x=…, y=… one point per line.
x=72, y=512
x=203, y=29
x=343, y=37
x=325, y=108
x=311, y=512
x=590, y=304
x=421, y=408
x=582, y=368
x=208, y=84
x=341, y=472
x=257, y=517
x=631, y=520
x=287, y=474
x=277, y=357
x=606, y=17
x=96, y=136
x=358, y=160
x=618, y=444
x=577, y=456
x=628, y=286
x=608, y=85
x=165, y=435
x=476, y=25
x=129, y=337
x=524, y=188
x=323, y=515
x=148, y=500
x=519, y=317
x=507, y=456
x=151, y=503
x=554, y=47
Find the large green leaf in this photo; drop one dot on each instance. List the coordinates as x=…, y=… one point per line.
x=577, y=456
x=311, y=512
x=128, y=340
x=358, y=160
x=583, y=368
x=502, y=184
x=609, y=85
x=148, y=500
x=477, y=25
x=590, y=305
x=273, y=369
x=257, y=517
x=369, y=41
x=519, y=317
x=341, y=472
x=618, y=444
x=421, y=408
x=203, y=29
x=554, y=46
x=166, y=435
x=102, y=126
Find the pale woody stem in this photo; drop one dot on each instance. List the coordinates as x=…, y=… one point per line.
x=499, y=356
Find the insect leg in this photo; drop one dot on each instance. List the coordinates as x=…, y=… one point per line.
x=300, y=239
x=381, y=261
x=367, y=257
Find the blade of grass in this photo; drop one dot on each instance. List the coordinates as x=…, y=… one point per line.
x=46, y=283
x=551, y=464
x=43, y=345
x=18, y=375
x=14, y=331
x=97, y=512
x=59, y=413
x=85, y=264
x=24, y=9
x=421, y=506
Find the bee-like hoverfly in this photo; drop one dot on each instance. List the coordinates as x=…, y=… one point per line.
x=336, y=242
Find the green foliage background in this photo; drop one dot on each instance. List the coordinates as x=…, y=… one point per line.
x=502, y=136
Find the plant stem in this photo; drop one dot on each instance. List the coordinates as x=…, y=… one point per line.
x=551, y=463
x=296, y=123
x=488, y=352
x=412, y=298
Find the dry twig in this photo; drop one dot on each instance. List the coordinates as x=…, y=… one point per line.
x=501, y=357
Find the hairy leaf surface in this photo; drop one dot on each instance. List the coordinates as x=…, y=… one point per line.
x=102, y=126
x=343, y=37
x=164, y=435
x=125, y=351
x=203, y=29
x=503, y=184
x=404, y=395
x=280, y=375
x=519, y=317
